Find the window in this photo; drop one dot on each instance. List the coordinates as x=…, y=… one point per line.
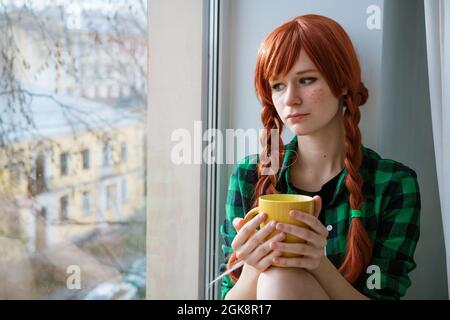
x=53, y=105
x=63, y=208
x=107, y=155
x=14, y=173
x=123, y=152
x=64, y=163
x=124, y=191
x=86, y=203
x=85, y=154
x=111, y=196
x=40, y=181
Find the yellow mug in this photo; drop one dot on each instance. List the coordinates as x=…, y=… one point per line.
x=277, y=207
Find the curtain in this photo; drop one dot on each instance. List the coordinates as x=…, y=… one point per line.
x=437, y=22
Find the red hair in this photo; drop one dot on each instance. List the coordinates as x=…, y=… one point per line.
x=331, y=50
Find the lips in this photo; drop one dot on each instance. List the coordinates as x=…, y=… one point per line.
x=297, y=115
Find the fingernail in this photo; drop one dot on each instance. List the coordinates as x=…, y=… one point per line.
x=296, y=213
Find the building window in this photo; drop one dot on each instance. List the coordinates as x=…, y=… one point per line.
x=107, y=154
x=40, y=174
x=63, y=208
x=124, y=190
x=111, y=196
x=86, y=203
x=64, y=161
x=15, y=174
x=123, y=152
x=86, y=159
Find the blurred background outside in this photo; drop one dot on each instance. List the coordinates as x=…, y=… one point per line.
x=73, y=106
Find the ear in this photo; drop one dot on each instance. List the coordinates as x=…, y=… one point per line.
x=317, y=206
x=344, y=91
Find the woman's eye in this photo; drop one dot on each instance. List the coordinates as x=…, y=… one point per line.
x=277, y=86
x=307, y=80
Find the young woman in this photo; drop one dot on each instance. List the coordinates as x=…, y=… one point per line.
x=361, y=240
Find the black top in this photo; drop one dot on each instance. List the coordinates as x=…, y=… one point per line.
x=326, y=192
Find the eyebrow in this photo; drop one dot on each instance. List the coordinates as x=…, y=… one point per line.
x=305, y=71
x=298, y=73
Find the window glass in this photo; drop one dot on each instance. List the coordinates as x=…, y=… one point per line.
x=71, y=93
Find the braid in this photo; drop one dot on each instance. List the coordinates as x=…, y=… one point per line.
x=266, y=183
x=267, y=177
x=359, y=246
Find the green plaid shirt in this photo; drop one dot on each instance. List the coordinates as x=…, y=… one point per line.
x=391, y=215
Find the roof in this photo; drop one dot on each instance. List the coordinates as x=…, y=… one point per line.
x=57, y=114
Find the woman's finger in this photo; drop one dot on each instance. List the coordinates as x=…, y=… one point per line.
x=310, y=221
x=255, y=241
x=247, y=230
x=263, y=250
x=238, y=223
x=299, y=248
x=303, y=262
x=317, y=205
x=310, y=236
x=267, y=261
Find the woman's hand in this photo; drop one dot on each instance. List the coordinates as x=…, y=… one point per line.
x=316, y=239
x=251, y=246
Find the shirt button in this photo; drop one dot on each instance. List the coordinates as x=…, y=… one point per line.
x=329, y=227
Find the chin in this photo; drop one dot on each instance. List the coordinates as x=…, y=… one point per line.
x=300, y=130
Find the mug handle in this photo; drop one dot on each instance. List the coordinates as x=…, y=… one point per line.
x=251, y=214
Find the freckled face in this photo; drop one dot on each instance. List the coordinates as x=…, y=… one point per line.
x=303, y=91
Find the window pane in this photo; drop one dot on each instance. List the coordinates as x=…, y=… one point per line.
x=63, y=208
x=72, y=149
x=86, y=202
x=64, y=158
x=123, y=152
x=86, y=159
x=124, y=191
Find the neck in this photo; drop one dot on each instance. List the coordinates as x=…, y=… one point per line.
x=322, y=153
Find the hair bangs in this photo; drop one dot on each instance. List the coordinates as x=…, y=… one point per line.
x=282, y=50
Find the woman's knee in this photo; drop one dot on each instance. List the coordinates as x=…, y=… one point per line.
x=288, y=283
x=282, y=275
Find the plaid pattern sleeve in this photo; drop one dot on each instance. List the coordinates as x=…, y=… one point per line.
x=239, y=201
x=397, y=233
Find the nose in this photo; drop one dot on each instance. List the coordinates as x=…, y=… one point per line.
x=292, y=97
